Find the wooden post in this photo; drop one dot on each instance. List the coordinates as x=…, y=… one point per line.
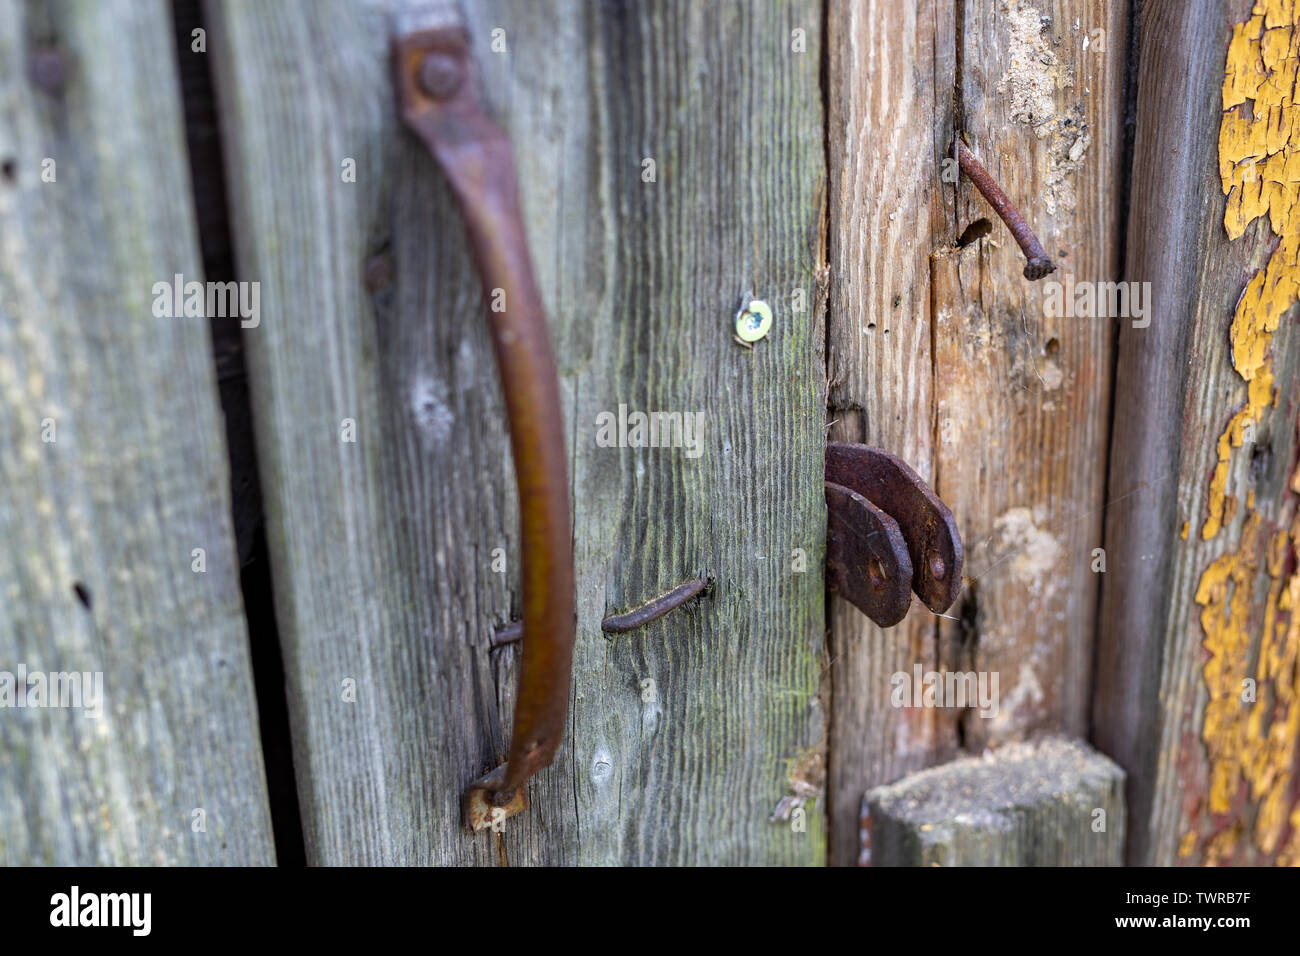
x=946, y=355
x=118, y=558
x=1198, y=695
x=1050, y=802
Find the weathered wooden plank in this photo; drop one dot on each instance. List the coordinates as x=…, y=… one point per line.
x=686, y=735
x=1201, y=535
x=114, y=469
x=1051, y=802
x=890, y=74
x=1024, y=395
x=945, y=355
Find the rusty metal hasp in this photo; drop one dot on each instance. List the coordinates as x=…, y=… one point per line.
x=441, y=106
x=887, y=534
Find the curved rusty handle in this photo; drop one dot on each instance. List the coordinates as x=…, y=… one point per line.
x=439, y=103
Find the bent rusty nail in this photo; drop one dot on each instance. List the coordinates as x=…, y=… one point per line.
x=1037, y=262
x=442, y=107
x=652, y=610
x=867, y=561
x=927, y=525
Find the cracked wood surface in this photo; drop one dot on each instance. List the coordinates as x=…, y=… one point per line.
x=686, y=735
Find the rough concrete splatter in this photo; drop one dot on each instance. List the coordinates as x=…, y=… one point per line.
x=1034, y=81
x=1032, y=551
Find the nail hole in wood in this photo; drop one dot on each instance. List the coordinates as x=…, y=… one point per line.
x=976, y=230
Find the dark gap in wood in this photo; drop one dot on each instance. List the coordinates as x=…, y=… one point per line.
x=1132, y=63
x=976, y=231
x=958, y=101
x=1132, y=55
x=968, y=629
x=208, y=181
x=826, y=690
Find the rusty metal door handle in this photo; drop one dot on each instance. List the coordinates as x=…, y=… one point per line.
x=440, y=104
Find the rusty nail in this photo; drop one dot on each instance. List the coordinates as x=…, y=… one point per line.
x=1038, y=264
x=49, y=70
x=441, y=74
x=652, y=610
x=507, y=634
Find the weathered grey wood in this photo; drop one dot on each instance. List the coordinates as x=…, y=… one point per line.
x=945, y=355
x=383, y=549
x=1049, y=802
x=1198, y=598
x=134, y=478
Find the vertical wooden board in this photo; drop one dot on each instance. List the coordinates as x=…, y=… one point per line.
x=725, y=99
x=686, y=735
x=1002, y=408
x=1208, y=470
x=1024, y=394
x=114, y=469
x=890, y=84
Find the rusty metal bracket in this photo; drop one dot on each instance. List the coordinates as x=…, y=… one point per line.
x=440, y=104
x=887, y=534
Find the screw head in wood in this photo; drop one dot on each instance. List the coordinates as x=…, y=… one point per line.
x=753, y=321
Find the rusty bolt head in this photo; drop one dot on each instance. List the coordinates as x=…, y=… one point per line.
x=49, y=70
x=937, y=567
x=441, y=75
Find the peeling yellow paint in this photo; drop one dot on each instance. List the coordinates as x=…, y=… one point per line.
x=1223, y=506
x=1259, y=165
x=1251, y=730
x=1225, y=593
x=1251, y=737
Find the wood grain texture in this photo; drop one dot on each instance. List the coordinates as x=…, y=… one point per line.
x=134, y=478
x=1050, y=802
x=1201, y=602
x=686, y=735
x=891, y=73
x=945, y=356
